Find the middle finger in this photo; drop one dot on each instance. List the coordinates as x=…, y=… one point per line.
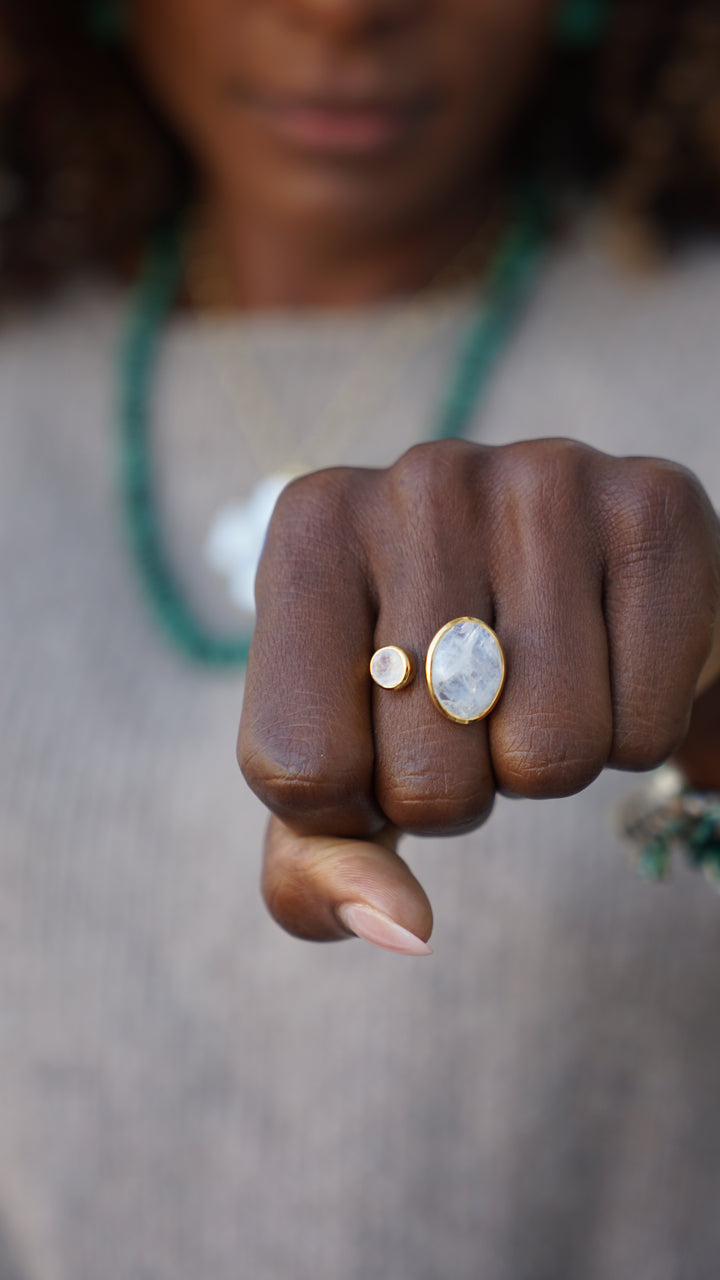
x=432, y=776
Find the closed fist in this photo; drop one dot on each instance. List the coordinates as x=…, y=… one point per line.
x=601, y=577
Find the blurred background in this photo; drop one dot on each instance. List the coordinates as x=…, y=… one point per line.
x=240, y=241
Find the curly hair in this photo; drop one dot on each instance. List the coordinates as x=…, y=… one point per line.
x=88, y=168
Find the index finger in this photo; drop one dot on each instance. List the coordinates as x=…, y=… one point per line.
x=306, y=744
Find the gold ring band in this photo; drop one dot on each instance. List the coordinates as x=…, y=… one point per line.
x=465, y=670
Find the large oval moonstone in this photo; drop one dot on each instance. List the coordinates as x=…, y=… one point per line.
x=465, y=669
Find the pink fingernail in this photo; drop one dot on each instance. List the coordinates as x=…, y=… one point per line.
x=374, y=926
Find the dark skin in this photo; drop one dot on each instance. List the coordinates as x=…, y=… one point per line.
x=600, y=575
x=345, y=148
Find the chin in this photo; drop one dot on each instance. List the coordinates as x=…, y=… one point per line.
x=346, y=200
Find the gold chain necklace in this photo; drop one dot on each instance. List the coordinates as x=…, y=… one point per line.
x=236, y=534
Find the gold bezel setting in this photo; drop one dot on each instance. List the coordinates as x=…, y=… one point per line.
x=439, y=635
x=408, y=668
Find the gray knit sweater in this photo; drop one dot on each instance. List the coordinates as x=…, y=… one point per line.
x=185, y=1092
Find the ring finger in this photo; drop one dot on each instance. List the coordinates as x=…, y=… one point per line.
x=432, y=776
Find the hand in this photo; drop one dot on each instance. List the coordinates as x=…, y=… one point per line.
x=601, y=577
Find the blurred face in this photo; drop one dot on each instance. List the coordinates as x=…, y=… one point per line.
x=341, y=114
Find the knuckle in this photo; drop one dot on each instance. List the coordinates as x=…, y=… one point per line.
x=421, y=491
x=548, y=762
x=529, y=465
x=647, y=743
x=428, y=782
x=551, y=455
x=422, y=478
x=538, y=490
x=417, y=806
x=311, y=531
x=319, y=495
x=662, y=547
x=312, y=510
x=297, y=791
x=652, y=502
x=539, y=779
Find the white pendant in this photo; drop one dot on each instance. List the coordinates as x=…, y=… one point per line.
x=237, y=536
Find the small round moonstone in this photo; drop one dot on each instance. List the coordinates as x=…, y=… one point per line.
x=390, y=667
x=465, y=669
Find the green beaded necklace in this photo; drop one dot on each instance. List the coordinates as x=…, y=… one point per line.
x=500, y=300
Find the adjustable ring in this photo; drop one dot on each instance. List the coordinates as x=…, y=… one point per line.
x=391, y=667
x=465, y=670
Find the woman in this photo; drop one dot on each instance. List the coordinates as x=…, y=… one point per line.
x=185, y=1090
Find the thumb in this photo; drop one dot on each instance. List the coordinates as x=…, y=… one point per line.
x=327, y=888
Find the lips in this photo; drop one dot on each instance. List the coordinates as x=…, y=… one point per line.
x=337, y=125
